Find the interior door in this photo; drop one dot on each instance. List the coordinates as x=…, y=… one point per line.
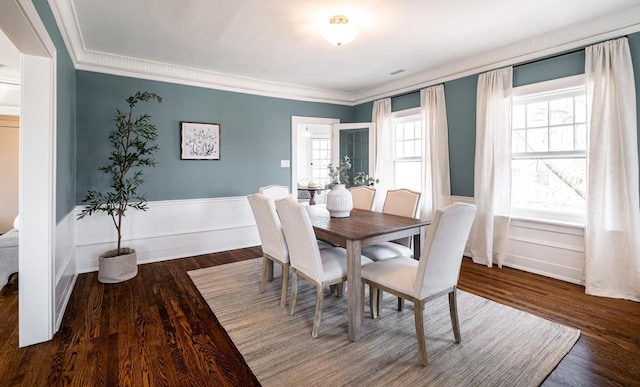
x=357, y=141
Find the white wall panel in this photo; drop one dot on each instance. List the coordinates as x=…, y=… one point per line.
x=169, y=229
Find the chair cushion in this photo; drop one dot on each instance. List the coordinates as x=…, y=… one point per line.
x=395, y=273
x=334, y=262
x=386, y=250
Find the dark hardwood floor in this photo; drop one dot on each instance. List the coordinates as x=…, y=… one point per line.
x=157, y=330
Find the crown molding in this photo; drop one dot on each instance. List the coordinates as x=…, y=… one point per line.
x=563, y=39
x=554, y=42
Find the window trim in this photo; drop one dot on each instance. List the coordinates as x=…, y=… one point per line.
x=412, y=114
x=543, y=91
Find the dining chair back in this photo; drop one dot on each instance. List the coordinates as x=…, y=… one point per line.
x=301, y=239
x=363, y=197
x=274, y=191
x=274, y=245
x=402, y=202
x=441, y=257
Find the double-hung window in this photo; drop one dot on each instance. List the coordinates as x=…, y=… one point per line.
x=549, y=142
x=407, y=150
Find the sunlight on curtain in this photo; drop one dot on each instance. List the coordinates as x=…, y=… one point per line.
x=612, y=230
x=436, y=186
x=381, y=117
x=492, y=176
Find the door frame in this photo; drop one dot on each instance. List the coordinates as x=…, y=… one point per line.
x=21, y=22
x=335, y=142
x=295, y=137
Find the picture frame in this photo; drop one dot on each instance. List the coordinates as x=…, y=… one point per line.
x=199, y=141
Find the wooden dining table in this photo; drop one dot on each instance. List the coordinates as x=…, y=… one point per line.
x=362, y=228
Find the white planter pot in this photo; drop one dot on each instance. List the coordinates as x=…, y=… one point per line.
x=117, y=268
x=339, y=202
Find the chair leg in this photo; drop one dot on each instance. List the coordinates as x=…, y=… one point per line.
x=340, y=289
x=374, y=304
x=332, y=288
x=265, y=269
x=453, y=311
x=422, y=347
x=400, y=304
x=379, y=297
x=285, y=284
x=294, y=291
x=318, y=315
x=362, y=302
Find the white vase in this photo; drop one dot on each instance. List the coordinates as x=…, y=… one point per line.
x=339, y=202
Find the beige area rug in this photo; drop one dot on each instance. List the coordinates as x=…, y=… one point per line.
x=501, y=346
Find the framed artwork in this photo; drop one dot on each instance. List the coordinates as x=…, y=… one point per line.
x=200, y=141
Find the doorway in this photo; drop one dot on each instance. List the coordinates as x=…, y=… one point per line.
x=21, y=23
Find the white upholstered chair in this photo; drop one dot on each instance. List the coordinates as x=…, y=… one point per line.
x=435, y=274
x=274, y=246
x=275, y=192
x=320, y=267
x=402, y=202
x=363, y=197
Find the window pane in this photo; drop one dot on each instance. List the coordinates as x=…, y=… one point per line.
x=408, y=130
x=561, y=111
x=408, y=175
x=537, y=114
x=517, y=141
x=399, y=132
x=581, y=137
x=550, y=184
x=399, y=149
x=581, y=108
x=561, y=138
x=537, y=140
x=518, y=116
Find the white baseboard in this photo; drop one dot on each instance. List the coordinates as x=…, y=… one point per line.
x=65, y=266
x=169, y=230
x=548, y=249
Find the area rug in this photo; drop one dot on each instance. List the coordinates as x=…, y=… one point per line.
x=501, y=346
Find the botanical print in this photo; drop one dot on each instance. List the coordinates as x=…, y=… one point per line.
x=200, y=141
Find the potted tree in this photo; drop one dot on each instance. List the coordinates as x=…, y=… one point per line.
x=133, y=144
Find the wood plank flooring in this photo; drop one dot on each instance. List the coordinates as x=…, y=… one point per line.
x=156, y=330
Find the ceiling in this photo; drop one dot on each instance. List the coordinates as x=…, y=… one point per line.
x=274, y=46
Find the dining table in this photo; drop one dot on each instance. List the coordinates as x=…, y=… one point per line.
x=362, y=228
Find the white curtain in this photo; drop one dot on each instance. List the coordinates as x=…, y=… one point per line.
x=492, y=176
x=381, y=117
x=612, y=230
x=436, y=186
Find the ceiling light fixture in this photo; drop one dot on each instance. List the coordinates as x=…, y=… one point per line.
x=339, y=31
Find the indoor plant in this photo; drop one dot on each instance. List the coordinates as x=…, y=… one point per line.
x=133, y=144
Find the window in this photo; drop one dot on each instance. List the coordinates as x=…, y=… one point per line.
x=407, y=150
x=549, y=142
x=320, y=158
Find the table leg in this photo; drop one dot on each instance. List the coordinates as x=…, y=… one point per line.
x=416, y=245
x=312, y=200
x=355, y=290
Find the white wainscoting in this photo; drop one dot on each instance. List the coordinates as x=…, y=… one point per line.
x=169, y=229
x=549, y=249
x=64, y=266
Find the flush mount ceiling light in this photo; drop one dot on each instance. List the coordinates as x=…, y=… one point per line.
x=339, y=31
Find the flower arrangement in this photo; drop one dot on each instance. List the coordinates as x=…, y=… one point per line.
x=338, y=175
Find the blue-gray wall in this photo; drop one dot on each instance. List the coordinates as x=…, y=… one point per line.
x=460, y=95
x=255, y=136
x=66, y=116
